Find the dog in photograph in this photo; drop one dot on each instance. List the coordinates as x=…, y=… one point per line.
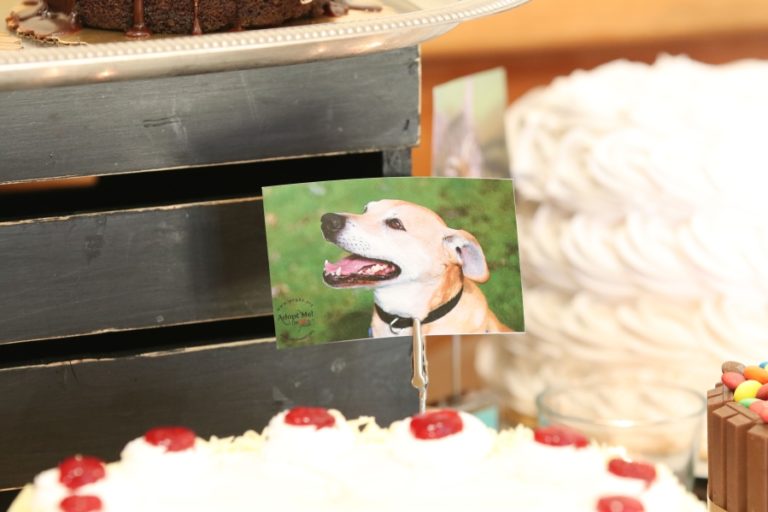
x=416, y=265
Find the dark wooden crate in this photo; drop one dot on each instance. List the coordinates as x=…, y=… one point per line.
x=133, y=269
x=358, y=104
x=96, y=406
x=146, y=299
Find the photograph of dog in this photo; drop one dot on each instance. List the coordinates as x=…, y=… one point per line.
x=361, y=258
x=416, y=265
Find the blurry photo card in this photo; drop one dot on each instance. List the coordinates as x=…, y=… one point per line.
x=468, y=138
x=352, y=259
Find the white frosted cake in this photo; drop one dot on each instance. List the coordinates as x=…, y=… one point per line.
x=643, y=224
x=314, y=459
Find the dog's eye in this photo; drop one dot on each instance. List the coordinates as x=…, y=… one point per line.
x=395, y=224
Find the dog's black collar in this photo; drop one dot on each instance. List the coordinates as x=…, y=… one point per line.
x=400, y=322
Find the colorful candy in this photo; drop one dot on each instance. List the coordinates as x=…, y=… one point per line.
x=733, y=366
x=747, y=389
x=757, y=406
x=747, y=402
x=749, y=385
x=732, y=379
x=756, y=373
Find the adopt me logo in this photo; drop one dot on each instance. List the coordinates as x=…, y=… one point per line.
x=297, y=316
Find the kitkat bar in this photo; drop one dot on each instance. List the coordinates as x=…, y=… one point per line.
x=757, y=464
x=718, y=396
x=737, y=441
x=717, y=446
x=715, y=400
x=736, y=428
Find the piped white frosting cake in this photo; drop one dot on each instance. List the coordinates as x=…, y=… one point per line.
x=643, y=223
x=314, y=459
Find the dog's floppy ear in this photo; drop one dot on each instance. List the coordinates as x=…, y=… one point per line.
x=464, y=248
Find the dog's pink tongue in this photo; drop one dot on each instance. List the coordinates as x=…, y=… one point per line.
x=348, y=265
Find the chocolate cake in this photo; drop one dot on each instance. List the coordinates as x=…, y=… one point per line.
x=737, y=441
x=141, y=18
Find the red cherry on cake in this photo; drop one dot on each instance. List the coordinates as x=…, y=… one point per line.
x=317, y=417
x=80, y=504
x=619, y=504
x=560, y=435
x=80, y=470
x=436, y=424
x=630, y=469
x=173, y=439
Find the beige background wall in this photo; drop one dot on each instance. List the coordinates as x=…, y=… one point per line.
x=548, y=24
x=545, y=38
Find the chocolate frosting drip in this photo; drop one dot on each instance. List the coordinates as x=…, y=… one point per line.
x=237, y=26
x=139, y=30
x=196, y=28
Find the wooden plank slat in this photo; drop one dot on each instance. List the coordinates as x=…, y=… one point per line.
x=96, y=406
x=133, y=269
x=152, y=267
x=355, y=104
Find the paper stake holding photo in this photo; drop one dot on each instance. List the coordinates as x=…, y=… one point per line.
x=391, y=250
